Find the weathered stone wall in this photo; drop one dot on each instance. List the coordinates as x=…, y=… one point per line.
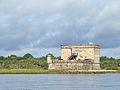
x=87, y=58
x=65, y=53
x=73, y=64
x=97, y=58
x=84, y=51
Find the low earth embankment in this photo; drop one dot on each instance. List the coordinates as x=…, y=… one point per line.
x=92, y=71
x=43, y=71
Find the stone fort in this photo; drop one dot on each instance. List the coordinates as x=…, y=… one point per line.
x=77, y=57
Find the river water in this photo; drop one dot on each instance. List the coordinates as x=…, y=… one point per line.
x=60, y=82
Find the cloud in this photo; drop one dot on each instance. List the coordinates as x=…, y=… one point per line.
x=111, y=52
x=36, y=52
x=106, y=28
x=45, y=24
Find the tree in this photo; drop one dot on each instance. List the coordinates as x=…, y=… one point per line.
x=1, y=57
x=12, y=57
x=28, y=55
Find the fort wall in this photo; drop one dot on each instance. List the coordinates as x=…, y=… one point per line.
x=82, y=56
x=72, y=65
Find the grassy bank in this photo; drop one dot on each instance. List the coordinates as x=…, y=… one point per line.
x=43, y=71
x=30, y=71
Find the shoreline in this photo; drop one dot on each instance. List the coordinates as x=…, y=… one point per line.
x=42, y=71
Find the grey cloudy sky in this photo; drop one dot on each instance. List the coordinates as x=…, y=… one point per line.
x=40, y=26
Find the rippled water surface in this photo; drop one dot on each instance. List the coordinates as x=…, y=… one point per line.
x=60, y=82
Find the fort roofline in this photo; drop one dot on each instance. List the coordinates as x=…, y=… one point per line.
x=79, y=45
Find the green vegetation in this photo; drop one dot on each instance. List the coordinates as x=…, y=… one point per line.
x=25, y=62
x=29, y=64
x=109, y=63
x=30, y=71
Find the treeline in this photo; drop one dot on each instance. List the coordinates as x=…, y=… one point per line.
x=109, y=63
x=29, y=62
x=25, y=62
